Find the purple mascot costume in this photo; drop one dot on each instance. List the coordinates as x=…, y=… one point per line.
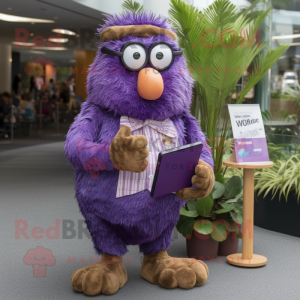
x=138, y=88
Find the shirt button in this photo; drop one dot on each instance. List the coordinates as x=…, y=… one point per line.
x=150, y=176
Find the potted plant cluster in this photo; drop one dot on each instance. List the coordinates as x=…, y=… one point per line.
x=276, y=206
x=219, y=45
x=212, y=225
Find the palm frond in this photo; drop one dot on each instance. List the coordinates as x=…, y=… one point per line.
x=133, y=6
x=219, y=44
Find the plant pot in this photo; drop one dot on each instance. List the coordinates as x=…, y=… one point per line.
x=229, y=246
x=280, y=216
x=201, y=246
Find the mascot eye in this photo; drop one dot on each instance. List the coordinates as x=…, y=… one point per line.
x=134, y=57
x=161, y=57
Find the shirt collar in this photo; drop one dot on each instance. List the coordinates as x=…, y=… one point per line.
x=165, y=127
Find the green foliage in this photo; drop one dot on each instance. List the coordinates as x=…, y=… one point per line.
x=217, y=214
x=276, y=95
x=293, y=94
x=219, y=177
x=232, y=187
x=185, y=225
x=204, y=228
x=219, y=232
x=213, y=42
x=204, y=205
x=218, y=190
x=133, y=6
x=266, y=116
x=283, y=177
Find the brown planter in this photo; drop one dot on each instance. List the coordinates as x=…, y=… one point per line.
x=229, y=246
x=202, y=247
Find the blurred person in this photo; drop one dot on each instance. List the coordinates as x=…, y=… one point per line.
x=57, y=92
x=72, y=103
x=70, y=84
x=64, y=93
x=39, y=82
x=16, y=100
x=26, y=103
x=64, y=100
x=51, y=87
x=17, y=85
x=54, y=103
x=5, y=104
x=5, y=112
x=47, y=108
x=32, y=84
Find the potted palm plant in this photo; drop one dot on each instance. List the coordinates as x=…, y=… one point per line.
x=219, y=44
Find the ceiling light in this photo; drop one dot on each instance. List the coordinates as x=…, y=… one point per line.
x=52, y=48
x=37, y=52
x=58, y=40
x=23, y=44
x=10, y=18
x=64, y=31
x=283, y=37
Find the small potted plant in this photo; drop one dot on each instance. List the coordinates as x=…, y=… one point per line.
x=212, y=225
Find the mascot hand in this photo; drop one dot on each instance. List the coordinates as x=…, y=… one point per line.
x=128, y=152
x=203, y=182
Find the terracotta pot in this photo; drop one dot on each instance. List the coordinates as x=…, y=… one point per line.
x=201, y=246
x=229, y=246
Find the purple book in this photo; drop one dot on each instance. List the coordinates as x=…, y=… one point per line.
x=175, y=169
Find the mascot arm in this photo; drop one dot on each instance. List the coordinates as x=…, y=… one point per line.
x=84, y=145
x=203, y=180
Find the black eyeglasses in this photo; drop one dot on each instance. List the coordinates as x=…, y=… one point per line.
x=135, y=56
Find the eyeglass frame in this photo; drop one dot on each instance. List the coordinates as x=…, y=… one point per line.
x=108, y=51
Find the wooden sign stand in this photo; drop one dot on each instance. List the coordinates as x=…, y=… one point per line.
x=247, y=258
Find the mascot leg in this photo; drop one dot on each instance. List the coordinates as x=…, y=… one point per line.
x=108, y=275
x=171, y=272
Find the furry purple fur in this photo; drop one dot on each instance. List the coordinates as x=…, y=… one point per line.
x=137, y=219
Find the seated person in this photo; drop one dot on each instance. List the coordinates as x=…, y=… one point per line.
x=5, y=112
x=26, y=103
x=16, y=100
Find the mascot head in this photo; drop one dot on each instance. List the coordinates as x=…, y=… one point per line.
x=139, y=70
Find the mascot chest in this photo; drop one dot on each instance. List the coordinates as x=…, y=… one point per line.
x=161, y=135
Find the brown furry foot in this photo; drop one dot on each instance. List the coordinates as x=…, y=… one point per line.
x=170, y=272
x=105, y=277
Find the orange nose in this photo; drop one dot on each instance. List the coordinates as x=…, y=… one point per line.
x=150, y=84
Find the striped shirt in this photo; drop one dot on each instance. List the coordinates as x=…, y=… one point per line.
x=161, y=136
